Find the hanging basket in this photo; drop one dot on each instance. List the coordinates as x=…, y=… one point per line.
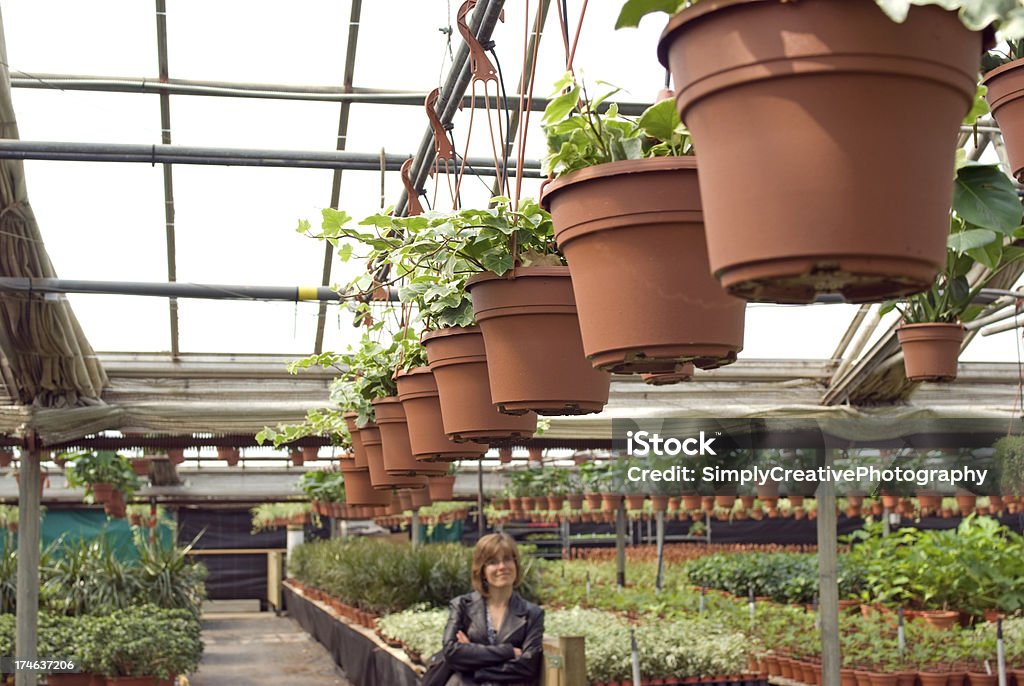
x=633, y=234
x=417, y=390
x=394, y=431
x=459, y=361
x=931, y=350
x=357, y=442
x=359, y=489
x=379, y=478
x=789, y=104
x=1006, y=98
x=441, y=487
x=535, y=356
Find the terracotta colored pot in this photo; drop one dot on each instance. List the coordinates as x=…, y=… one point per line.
x=296, y=456
x=610, y=501
x=691, y=502
x=555, y=502
x=140, y=466
x=575, y=501
x=69, y=679
x=982, y=679
x=635, y=502
x=534, y=351
x=176, y=455
x=1005, y=88
x=725, y=501
x=633, y=235
x=659, y=503
x=359, y=488
x=357, y=443
x=941, y=619
x=809, y=209
x=381, y=480
x=441, y=487
x=459, y=362
x=594, y=500
x=847, y=677
x=417, y=390
x=930, y=350
x=681, y=373
x=229, y=455
x=883, y=679
x=102, y=492
x=966, y=502
x=394, y=432
x=421, y=496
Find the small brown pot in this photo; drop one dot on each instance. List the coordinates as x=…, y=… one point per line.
x=295, y=455
x=635, y=502
x=441, y=487
x=535, y=356
x=930, y=350
x=575, y=501
x=458, y=359
x=381, y=480
x=633, y=234
x=140, y=466
x=357, y=443
x=1005, y=90
x=816, y=212
x=421, y=496
x=176, y=455
x=359, y=488
x=610, y=501
x=394, y=432
x=659, y=503
x=102, y=492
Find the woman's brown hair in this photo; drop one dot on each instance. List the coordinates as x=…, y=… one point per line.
x=493, y=547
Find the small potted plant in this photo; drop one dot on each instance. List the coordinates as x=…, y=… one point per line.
x=986, y=215
x=104, y=474
x=1004, y=81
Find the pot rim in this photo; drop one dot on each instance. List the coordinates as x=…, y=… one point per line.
x=450, y=331
x=1002, y=69
x=925, y=325
x=608, y=169
x=519, y=273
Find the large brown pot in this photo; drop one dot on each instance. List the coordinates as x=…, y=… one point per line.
x=394, y=433
x=459, y=361
x=788, y=104
x=418, y=392
x=357, y=443
x=534, y=351
x=930, y=350
x=381, y=480
x=1005, y=92
x=633, y=234
x=359, y=488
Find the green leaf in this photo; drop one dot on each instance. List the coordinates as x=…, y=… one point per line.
x=979, y=107
x=303, y=226
x=345, y=252
x=560, y=107
x=984, y=196
x=660, y=120
x=635, y=10
x=334, y=219
x=969, y=240
x=498, y=263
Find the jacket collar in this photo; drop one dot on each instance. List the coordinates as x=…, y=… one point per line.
x=515, y=616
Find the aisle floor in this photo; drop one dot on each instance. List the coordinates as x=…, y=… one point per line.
x=257, y=649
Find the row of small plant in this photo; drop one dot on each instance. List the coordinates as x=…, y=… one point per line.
x=137, y=641
x=667, y=648
x=781, y=577
x=81, y=577
x=379, y=577
x=271, y=516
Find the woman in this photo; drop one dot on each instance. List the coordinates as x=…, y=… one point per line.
x=493, y=635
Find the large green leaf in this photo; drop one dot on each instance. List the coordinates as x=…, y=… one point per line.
x=635, y=10
x=984, y=196
x=660, y=120
x=970, y=239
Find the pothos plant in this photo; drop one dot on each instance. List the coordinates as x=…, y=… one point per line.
x=1007, y=16
x=432, y=255
x=580, y=135
x=985, y=226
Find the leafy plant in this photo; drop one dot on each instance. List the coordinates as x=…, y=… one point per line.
x=986, y=215
x=88, y=467
x=579, y=135
x=1009, y=460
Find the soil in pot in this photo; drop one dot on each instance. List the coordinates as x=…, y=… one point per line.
x=796, y=201
x=930, y=350
x=535, y=353
x=458, y=359
x=417, y=390
x=632, y=233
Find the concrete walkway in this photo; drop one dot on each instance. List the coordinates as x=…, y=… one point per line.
x=260, y=649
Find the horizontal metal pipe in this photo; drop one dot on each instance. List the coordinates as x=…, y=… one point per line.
x=180, y=154
x=369, y=96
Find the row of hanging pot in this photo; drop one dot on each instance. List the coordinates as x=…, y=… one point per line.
x=827, y=161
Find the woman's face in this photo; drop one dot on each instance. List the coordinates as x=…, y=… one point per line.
x=500, y=571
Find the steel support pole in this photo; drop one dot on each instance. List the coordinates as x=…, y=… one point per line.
x=828, y=577
x=27, y=595
x=176, y=289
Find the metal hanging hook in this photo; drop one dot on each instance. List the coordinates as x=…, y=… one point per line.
x=479, y=63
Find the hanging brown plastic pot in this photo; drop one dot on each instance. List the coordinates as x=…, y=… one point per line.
x=441, y=487
x=421, y=497
x=394, y=432
x=633, y=235
x=535, y=356
x=1006, y=98
x=788, y=104
x=931, y=350
x=359, y=489
x=379, y=478
x=680, y=374
x=357, y=443
x=459, y=361
x=417, y=390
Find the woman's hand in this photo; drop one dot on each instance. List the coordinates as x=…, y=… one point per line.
x=463, y=638
x=517, y=651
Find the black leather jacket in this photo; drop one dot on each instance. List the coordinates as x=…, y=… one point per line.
x=522, y=627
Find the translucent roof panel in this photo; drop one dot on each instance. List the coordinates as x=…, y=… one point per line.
x=235, y=225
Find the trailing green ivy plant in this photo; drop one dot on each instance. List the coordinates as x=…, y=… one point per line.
x=580, y=135
x=1007, y=16
x=985, y=225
